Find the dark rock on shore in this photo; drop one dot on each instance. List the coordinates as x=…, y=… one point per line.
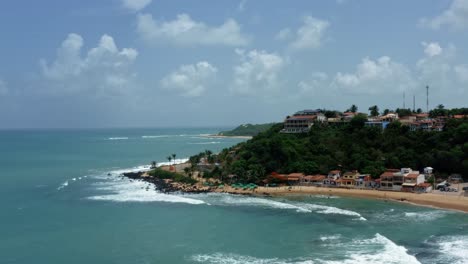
x=165, y=186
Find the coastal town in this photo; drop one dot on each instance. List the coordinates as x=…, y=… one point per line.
x=302, y=121
x=229, y=172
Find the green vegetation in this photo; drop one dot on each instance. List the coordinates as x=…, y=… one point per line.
x=162, y=174
x=247, y=130
x=348, y=147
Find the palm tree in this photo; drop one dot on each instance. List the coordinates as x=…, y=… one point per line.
x=174, y=159
x=153, y=164
x=352, y=109
x=169, y=158
x=374, y=110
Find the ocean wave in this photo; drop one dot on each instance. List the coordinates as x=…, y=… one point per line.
x=117, y=138
x=331, y=237
x=254, y=201
x=324, y=209
x=63, y=185
x=426, y=215
x=67, y=182
x=158, y=136
x=453, y=249
x=239, y=259
x=204, y=143
x=110, y=187
x=378, y=249
x=229, y=199
x=125, y=190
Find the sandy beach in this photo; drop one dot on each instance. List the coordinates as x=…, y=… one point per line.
x=450, y=202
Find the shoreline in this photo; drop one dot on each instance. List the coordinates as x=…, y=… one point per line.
x=448, y=202
x=457, y=203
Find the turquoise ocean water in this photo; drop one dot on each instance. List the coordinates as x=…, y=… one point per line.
x=59, y=205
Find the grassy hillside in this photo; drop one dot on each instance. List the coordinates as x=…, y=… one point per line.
x=247, y=130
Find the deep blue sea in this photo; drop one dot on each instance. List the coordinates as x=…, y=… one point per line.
x=61, y=201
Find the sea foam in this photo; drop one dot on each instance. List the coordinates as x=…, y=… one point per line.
x=239, y=259
x=118, y=189
x=377, y=249
x=454, y=249
x=137, y=191
x=117, y=138
x=324, y=209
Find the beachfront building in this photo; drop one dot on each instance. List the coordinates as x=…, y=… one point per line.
x=364, y=181
x=386, y=179
x=332, y=177
x=295, y=178
x=424, y=187
x=349, y=178
x=428, y=172
x=411, y=180
x=313, y=180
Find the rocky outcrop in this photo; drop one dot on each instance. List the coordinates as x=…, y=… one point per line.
x=167, y=185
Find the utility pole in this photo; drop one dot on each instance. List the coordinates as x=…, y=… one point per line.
x=414, y=103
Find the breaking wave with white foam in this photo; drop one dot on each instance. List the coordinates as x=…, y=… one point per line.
x=117, y=138
x=157, y=136
x=426, y=215
x=229, y=199
x=124, y=190
x=205, y=143
x=378, y=249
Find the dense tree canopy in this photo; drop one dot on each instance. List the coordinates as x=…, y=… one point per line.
x=348, y=147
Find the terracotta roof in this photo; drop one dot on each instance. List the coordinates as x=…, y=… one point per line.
x=318, y=177
x=335, y=171
x=387, y=174
x=460, y=116
x=412, y=175
x=296, y=175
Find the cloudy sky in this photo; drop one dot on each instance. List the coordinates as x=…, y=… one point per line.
x=149, y=63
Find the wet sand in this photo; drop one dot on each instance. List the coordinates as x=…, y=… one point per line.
x=450, y=202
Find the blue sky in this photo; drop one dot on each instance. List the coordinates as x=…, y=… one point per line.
x=149, y=63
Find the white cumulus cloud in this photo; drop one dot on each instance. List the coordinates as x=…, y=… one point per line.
x=186, y=31
x=432, y=49
x=375, y=76
x=3, y=87
x=309, y=35
x=135, y=5
x=105, y=68
x=454, y=17
x=190, y=80
x=258, y=72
